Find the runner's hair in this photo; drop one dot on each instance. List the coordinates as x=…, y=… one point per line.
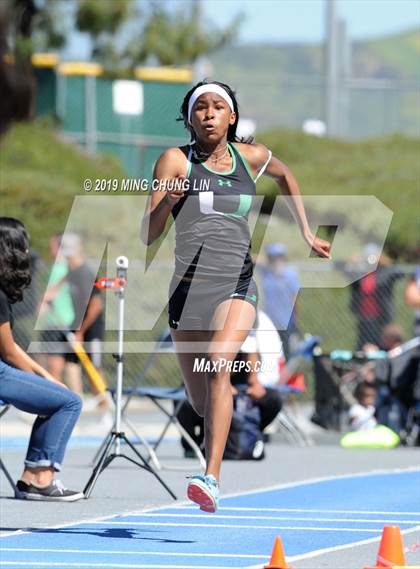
x=231, y=134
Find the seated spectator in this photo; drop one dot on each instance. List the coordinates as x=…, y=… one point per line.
x=392, y=337
x=397, y=379
x=362, y=413
x=28, y=386
x=412, y=298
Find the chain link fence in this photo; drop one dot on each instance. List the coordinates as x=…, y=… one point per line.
x=345, y=318
x=367, y=108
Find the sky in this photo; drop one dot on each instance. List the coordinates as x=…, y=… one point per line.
x=304, y=20
x=280, y=21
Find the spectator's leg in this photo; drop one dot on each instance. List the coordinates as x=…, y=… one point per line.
x=58, y=410
x=284, y=337
x=192, y=423
x=74, y=377
x=270, y=405
x=56, y=365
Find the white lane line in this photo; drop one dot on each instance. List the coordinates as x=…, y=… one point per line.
x=240, y=526
x=311, y=511
x=309, y=481
x=282, y=518
x=113, y=565
x=319, y=552
x=105, y=552
x=246, y=493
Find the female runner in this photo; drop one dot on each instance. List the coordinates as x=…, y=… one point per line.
x=208, y=186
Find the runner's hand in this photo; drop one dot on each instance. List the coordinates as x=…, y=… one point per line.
x=321, y=247
x=174, y=190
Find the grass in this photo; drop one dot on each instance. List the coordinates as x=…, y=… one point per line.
x=387, y=168
x=40, y=174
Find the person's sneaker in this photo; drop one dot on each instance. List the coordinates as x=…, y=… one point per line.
x=52, y=493
x=204, y=491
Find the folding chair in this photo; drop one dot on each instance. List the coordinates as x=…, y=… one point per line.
x=297, y=363
x=288, y=425
x=158, y=396
x=4, y=407
x=338, y=373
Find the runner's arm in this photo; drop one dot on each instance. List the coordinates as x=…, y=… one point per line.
x=288, y=186
x=170, y=166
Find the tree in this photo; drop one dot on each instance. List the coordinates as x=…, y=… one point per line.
x=178, y=38
x=25, y=26
x=50, y=26
x=16, y=81
x=30, y=25
x=102, y=20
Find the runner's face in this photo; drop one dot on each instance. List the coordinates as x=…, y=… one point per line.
x=211, y=117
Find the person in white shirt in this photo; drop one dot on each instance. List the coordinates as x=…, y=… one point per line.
x=362, y=413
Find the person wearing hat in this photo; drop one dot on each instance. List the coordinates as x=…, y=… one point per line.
x=372, y=296
x=280, y=286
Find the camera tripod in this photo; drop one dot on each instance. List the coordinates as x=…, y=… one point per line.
x=112, y=448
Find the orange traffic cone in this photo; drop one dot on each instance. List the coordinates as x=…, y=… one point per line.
x=391, y=549
x=278, y=560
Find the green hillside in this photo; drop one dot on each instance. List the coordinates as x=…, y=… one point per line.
x=388, y=168
x=282, y=85
x=391, y=57
x=40, y=174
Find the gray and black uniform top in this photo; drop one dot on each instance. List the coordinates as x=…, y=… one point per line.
x=212, y=234
x=213, y=241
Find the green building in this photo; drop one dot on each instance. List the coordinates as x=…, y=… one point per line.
x=134, y=119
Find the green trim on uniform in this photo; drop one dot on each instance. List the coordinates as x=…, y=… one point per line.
x=245, y=202
x=244, y=163
x=229, y=171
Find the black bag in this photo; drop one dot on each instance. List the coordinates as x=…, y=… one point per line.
x=245, y=439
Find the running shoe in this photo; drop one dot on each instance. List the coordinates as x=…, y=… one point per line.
x=54, y=492
x=204, y=491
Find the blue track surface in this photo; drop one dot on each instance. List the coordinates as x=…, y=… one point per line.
x=309, y=517
x=21, y=443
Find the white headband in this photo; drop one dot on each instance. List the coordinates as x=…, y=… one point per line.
x=209, y=88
